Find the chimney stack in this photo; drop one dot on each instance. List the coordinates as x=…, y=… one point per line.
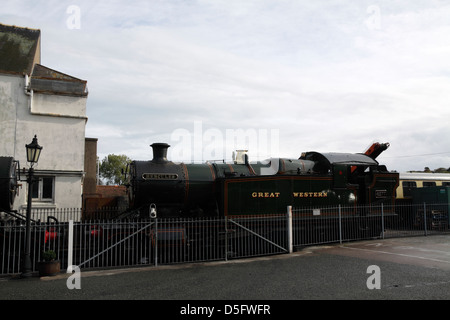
x=160, y=152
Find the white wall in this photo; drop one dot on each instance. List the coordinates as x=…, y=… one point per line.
x=59, y=123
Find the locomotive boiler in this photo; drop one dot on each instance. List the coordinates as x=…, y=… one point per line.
x=162, y=188
x=8, y=183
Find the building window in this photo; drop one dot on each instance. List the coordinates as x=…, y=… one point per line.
x=43, y=188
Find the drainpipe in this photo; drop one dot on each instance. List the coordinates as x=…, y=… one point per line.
x=28, y=93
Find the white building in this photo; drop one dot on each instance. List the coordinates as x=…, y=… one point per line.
x=36, y=100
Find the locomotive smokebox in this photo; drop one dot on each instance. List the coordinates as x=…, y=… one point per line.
x=160, y=152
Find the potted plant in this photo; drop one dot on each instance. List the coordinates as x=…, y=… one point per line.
x=49, y=266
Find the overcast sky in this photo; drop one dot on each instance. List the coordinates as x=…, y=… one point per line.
x=289, y=75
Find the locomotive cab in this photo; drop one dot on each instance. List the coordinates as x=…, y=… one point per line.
x=372, y=182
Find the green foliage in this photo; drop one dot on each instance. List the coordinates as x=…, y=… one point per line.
x=112, y=168
x=49, y=255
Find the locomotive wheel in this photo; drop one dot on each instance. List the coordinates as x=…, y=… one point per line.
x=8, y=183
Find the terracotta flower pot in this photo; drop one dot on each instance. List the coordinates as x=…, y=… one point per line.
x=49, y=268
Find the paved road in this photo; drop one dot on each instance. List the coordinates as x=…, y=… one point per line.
x=408, y=268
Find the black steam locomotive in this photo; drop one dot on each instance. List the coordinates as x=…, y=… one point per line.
x=162, y=188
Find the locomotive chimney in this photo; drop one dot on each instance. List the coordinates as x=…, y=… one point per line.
x=160, y=152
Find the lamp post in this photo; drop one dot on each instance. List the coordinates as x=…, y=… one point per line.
x=33, y=153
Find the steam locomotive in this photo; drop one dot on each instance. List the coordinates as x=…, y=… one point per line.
x=162, y=188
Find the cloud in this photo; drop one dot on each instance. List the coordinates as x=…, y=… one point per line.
x=330, y=76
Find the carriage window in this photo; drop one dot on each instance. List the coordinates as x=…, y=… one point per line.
x=429, y=184
x=446, y=183
x=43, y=189
x=407, y=186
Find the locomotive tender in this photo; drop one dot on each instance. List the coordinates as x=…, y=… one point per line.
x=163, y=188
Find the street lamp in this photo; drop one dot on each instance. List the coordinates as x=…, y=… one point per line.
x=33, y=153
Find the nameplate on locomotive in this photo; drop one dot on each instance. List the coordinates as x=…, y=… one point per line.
x=159, y=176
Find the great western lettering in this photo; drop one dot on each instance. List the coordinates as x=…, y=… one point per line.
x=309, y=194
x=265, y=194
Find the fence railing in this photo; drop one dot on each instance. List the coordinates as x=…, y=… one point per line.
x=66, y=214
x=105, y=243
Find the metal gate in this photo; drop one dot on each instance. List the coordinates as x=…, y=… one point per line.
x=255, y=236
x=110, y=244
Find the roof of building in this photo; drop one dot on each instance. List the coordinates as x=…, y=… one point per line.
x=20, y=53
x=19, y=49
x=46, y=80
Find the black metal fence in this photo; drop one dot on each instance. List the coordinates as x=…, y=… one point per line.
x=91, y=242
x=339, y=224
